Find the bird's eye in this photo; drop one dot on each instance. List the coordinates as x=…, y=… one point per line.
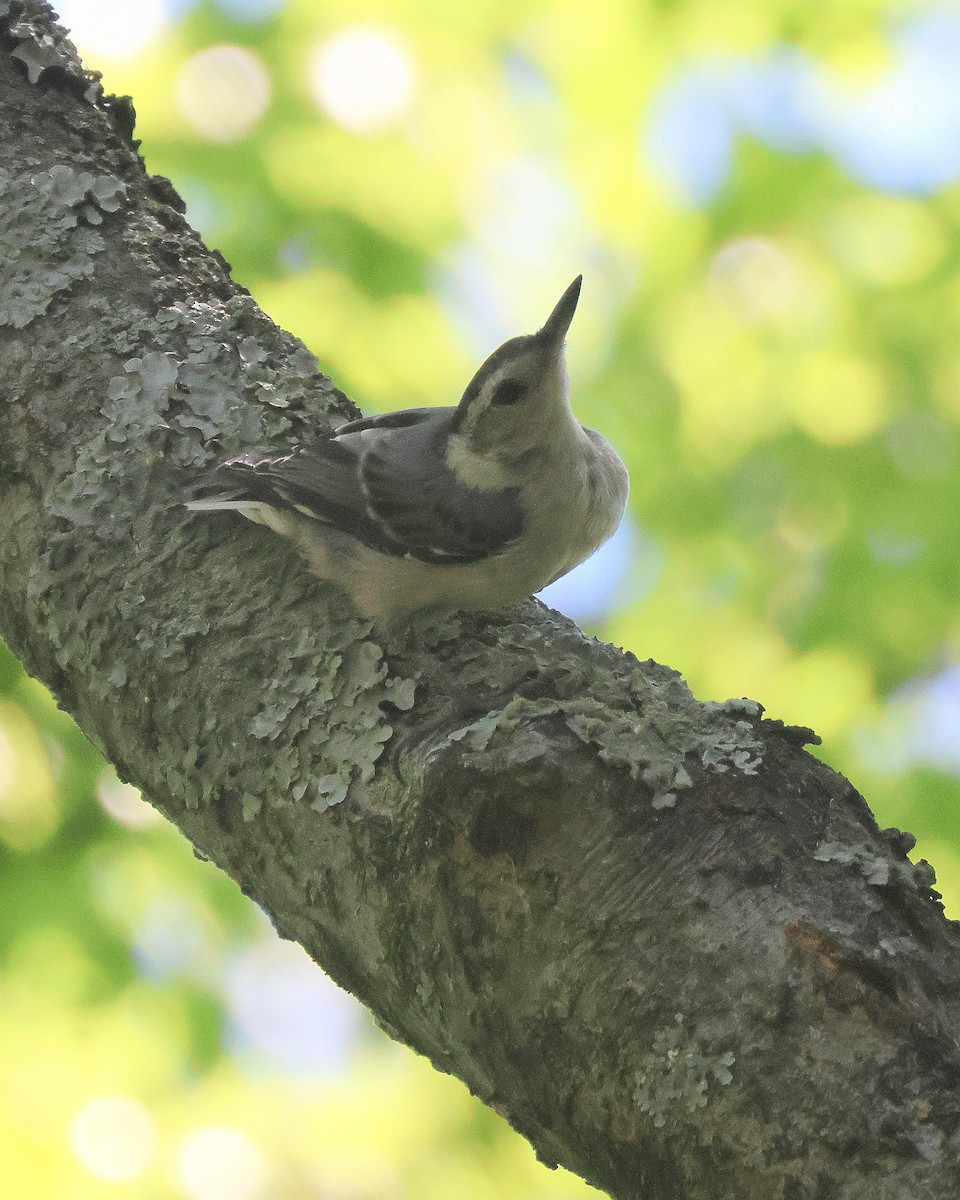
x=508, y=392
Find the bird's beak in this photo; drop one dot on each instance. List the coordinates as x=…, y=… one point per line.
x=557, y=324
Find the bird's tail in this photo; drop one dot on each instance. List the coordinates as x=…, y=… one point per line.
x=238, y=485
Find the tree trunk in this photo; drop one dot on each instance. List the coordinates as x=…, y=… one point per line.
x=672, y=948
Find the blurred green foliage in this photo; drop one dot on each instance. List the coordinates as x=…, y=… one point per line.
x=769, y=336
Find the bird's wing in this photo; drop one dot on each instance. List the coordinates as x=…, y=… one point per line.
x=384, y=480
x=395, y=420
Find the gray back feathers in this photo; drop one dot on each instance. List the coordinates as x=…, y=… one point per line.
x=383, y=480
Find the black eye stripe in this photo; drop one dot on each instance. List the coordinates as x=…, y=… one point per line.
x=508, y=392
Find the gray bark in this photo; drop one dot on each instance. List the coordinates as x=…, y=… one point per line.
x=672, y=948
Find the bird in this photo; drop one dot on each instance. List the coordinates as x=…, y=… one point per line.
x=472, y=506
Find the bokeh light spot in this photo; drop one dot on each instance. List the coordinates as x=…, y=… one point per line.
x=218, y=1163
x=886, y=240
x=838, y=398
x=363, y=79
x=112, y=28
x=113, y=1137
x=756, y=277
x=223, y=92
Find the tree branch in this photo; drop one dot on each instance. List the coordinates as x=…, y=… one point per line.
x=667, y=944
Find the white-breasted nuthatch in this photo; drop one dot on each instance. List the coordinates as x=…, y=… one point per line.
x=468, y=507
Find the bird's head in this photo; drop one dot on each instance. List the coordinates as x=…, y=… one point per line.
x=519, y=396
